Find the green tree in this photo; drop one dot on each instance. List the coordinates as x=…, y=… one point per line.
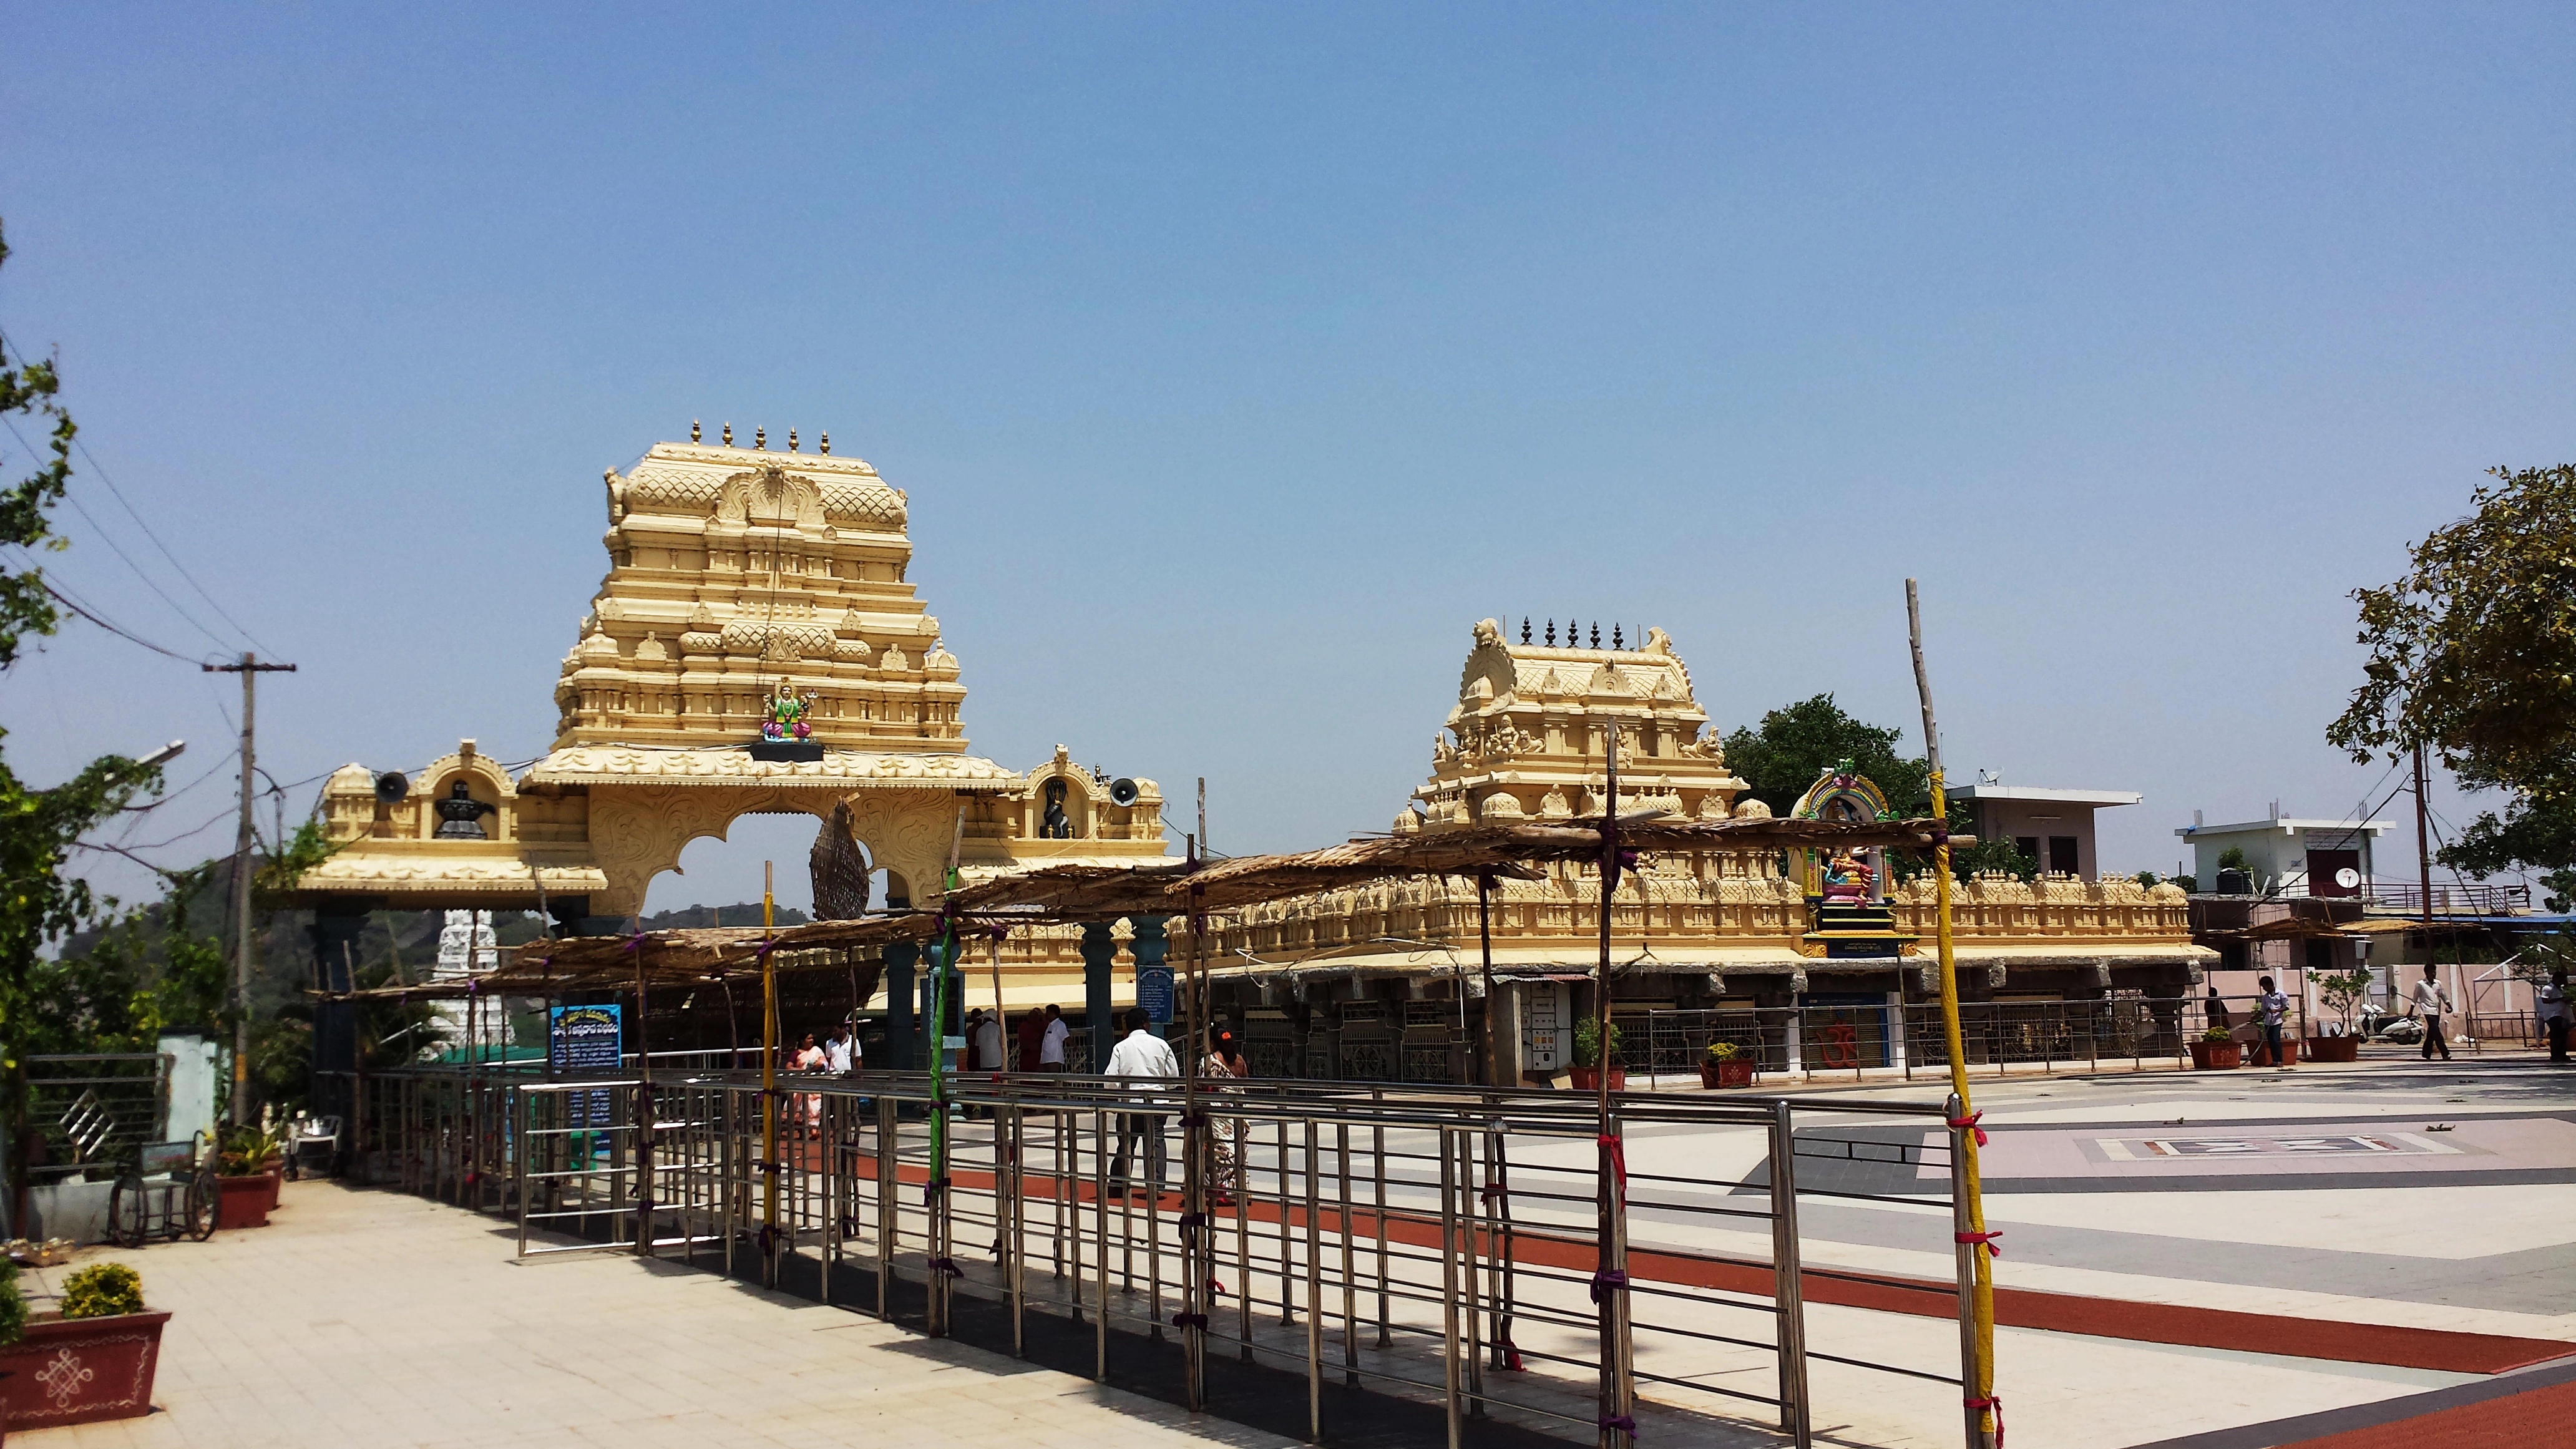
x=2472, y=655
x=39, y=905
x=1794, y=744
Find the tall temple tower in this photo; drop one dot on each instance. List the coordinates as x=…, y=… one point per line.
x=736, y=574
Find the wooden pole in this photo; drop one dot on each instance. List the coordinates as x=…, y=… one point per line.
x=769, y=1167
x=1612, y=1165
x=1485, y=940
x=1979, y=1396
x=250, y=669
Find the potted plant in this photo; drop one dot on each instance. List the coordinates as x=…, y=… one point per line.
x=2342, y=993
x=245, y=1191
x=1726, y=1065
x=2216, y=1051
x=94, y=1359
x=1588, y=1057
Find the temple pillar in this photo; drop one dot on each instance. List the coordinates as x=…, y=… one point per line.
x=900, y=957
x=335, y=931
x=1151, y=947
x=1099, y=958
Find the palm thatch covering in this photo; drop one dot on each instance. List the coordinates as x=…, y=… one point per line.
x=1076, y=893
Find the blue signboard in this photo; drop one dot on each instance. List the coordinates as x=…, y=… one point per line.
x=587, y=1041
x=1154, y=993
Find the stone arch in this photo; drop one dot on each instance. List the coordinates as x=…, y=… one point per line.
x=637, y=832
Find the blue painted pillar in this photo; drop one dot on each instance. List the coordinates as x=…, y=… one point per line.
x=1099, y=958
x=1150, y=946
x=899, y=959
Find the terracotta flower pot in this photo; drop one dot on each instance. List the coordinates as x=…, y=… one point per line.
x=2334, y=1048
x=242, y=1202
x=274, y=1169
x=2210, y=1056
x=1735, y=1072
x=2260, y=1053
x=1588, y=1079
x=77, y=1370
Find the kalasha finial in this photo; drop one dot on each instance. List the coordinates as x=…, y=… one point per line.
x=1596, y=633
x=694, y=434
x=1551, y=633
x=728, y=435
x=760, y=437
x=791, y=440
x=1614, y=638
x=827, y=442
x=1525, y=628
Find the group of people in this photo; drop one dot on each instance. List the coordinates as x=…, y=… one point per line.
x=1147, y=1064
x=2427, y=1000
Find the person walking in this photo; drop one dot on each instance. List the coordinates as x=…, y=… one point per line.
x=1224, y=1063
x=2217, y=1010
x=809, y=1106
x=2554, y=1014
x=1051, y=1042
x=1140, y=1060
x=2272, y=1007
x=988, y=1045
x=2432, y=1001
x=840, y=1053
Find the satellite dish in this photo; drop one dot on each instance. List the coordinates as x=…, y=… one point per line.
x=391, y=786
x=2348, y=878
x=1122, y=791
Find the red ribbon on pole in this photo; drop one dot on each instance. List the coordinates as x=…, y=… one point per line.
x=1969, y=1124
x=1983, y=1240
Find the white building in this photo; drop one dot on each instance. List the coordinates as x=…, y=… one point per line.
x=2052, y=827
x=2288, y=856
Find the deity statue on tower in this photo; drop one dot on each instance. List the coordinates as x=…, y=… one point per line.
x=787, y=711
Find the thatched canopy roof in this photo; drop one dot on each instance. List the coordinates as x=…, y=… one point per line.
x=1074, y=893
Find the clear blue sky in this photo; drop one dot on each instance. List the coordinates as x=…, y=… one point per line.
x=1237, y=360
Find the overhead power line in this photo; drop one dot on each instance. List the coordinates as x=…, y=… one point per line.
x=118, y=630
x=9, y=346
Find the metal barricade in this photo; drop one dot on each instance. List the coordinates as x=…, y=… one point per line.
x=1437, y=1244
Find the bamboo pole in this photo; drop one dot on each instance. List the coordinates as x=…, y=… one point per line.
x=1984, y=1419
x=769, y=1170
x=1610, y=1280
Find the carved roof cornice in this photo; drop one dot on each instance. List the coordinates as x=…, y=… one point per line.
x=839, y=770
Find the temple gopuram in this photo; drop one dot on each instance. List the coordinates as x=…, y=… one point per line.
x=753, y=649
x=1385, y=980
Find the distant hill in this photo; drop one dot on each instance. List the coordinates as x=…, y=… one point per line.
x=745, y=914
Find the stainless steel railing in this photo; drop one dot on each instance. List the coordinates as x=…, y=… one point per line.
x=1439, y=1245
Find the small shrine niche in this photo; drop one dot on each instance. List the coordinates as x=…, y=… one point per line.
x=1849, y=916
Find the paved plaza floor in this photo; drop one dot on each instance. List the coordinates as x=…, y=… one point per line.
x=2214, y=1260
x=371, y=1318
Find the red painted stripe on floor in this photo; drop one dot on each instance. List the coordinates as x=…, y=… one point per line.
x=2539, y=1419
x=2177, y=1323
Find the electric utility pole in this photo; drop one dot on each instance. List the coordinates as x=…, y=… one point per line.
x=250, y=669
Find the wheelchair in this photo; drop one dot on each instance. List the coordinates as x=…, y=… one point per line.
x=166, y=1194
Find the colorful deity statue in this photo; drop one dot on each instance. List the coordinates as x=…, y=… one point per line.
x=1849, y=878
x=787, y=712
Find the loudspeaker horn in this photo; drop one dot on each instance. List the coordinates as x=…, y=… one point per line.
x=391, y=786
x=1123, y=791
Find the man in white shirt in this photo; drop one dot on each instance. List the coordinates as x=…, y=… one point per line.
x=988, y=1045
x=1141, y=1058
x=840, y=1052
x=2432, y=1001
x=1051, y=1046
x=2271, y=1006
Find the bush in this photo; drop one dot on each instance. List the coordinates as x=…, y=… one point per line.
x=2217, y=1034
x=1587, y=1043
x=1721, y=1051
x=13, y=1304
x=102, y=1290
